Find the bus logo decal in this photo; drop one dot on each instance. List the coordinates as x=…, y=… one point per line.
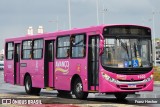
x=9, y=66
x=121, y=77
x=78, y=67
x=23, y=64
x=62, y=66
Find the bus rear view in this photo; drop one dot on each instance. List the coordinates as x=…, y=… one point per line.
x=126, y=63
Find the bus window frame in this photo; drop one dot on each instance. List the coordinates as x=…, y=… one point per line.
x=85, y=37
x=63, y=46
x=6, y=50
x=51, y=59
x=37, y=49
x=127, y=71
x=26, y=49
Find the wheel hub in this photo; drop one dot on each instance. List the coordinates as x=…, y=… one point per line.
x=27, y=85
x=79, y=87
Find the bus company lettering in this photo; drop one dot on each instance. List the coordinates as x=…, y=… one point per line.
x=121, y=77
x=62, y=66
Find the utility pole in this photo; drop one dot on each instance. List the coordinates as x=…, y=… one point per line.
x=103, y=13
x=97, y=12
x=69, y=13
x=153, y=33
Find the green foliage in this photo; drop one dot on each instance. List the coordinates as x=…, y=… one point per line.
x=156, y=73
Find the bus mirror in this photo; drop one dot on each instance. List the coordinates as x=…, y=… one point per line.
x=101, y=46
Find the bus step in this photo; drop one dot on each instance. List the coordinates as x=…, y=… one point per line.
x=92, y=91
x=49, y=89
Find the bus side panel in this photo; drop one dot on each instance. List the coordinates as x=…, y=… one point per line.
x=38, y=81
x=17, y=72
x=35, y=69
x=9, y=71
x=21, y=78
x=64, y=74
x=24, y=68
x=62, y=79
x=62, y=82
x=79, y=67
x=51, y=82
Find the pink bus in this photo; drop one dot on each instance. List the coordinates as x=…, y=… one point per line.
x=113, y=59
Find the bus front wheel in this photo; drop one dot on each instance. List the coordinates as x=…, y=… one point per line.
x=28, y=87
x=78, y=90
x=121, y=96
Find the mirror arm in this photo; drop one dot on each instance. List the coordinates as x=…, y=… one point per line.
x=101, y=44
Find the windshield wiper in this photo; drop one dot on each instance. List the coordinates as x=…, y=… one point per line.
x=135, y=50
x=137, y=55
x=124, y=45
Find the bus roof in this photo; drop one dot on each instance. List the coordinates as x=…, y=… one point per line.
x=68, y=32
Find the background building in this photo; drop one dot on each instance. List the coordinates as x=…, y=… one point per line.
x=2, y=55
x=157, y=46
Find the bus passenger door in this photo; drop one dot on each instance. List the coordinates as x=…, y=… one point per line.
x=17, y=64
x=49, y=63
x=93, y=52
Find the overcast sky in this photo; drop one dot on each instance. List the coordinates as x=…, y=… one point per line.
x=17, y=15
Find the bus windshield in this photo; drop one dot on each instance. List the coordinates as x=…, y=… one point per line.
x=127, y=53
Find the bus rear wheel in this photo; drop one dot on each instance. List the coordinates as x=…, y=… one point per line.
x=28, y=87
x=121, y=96
x=78, y=90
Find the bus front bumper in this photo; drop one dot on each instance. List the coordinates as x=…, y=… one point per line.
x=107, y=86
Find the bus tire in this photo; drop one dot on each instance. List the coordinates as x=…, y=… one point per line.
x=120, y=96
x=78, y=90
x=28, y=87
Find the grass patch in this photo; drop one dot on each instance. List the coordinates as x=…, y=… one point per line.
x=156, y=73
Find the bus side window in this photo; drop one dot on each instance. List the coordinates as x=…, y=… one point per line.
x=78, y=45
x=30, y=55
x=68, y=53
x=72, y=41
x=37, y=49
x=9, y=50
x=83, y=52
x=63, y=46
x=50, y=51
x=27, y=49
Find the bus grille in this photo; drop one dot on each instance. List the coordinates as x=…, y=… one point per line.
x=130, y=80
x=125, y=87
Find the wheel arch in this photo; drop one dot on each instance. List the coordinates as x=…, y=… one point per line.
x=26, y=74
x=75, y=76
x=79, y=94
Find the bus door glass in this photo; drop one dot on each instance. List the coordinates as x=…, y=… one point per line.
x=93, y=52
x=49, y=63
x=17, y=64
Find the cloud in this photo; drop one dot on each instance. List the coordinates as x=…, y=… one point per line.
x=17, y=15
x=128, y=6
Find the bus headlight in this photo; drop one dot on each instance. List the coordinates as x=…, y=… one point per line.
x=108, y=78
x=148, y=79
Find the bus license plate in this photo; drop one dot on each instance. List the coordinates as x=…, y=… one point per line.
x=131, y=86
